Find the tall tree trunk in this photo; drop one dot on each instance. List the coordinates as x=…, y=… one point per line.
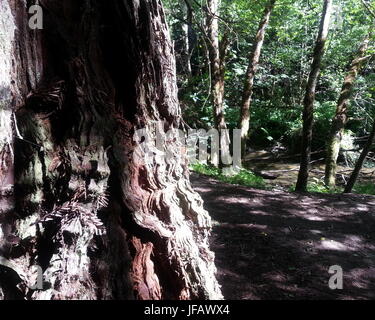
x=308, y=111
x=217, y=54
x=244, y=122
x=100, y=221
x=358, y=166
x=187, y=30
x=217, y=81
x=341, y=117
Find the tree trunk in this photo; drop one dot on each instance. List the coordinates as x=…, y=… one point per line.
x=308, y=111
x=217, y=81
x=100, y=221
x=244, y=122
x=187, y=30
x=358, y=166
x=217, y=54
x=341, y=117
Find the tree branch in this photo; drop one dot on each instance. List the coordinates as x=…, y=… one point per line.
x=368, y=8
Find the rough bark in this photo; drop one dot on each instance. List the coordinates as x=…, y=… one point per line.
x=308, y=110
x=341, y=117
x=244, y=123
x=358, y=166
x=100, y=221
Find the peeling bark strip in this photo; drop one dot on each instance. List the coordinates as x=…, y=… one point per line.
x=146, y=282
x=341, y=117
x=101, y=225
x=308, y=103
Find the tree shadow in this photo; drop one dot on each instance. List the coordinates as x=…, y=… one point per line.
x=278, y=245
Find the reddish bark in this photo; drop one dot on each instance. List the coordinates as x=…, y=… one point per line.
x=101, y=223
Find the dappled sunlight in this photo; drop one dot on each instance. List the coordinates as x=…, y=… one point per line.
x=361, y=207
x=333, y=245
x=314, y=218
x=280, y=245
x=202, y=189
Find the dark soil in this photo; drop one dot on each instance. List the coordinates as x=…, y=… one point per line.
x=279, y=245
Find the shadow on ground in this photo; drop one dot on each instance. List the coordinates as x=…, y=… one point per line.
x=279, y=245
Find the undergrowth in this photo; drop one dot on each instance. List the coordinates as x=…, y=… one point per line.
x=249, y=179
x=364, y=188
x=319, y=187
x=244, y=177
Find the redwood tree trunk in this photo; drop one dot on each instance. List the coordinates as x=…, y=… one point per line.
x=341, y=117
x=244, y=122
x=101, y=222
x=308, y=111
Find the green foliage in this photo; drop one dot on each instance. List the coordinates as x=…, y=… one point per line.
x=318, y=186
x=244, y=177
x=206, y=169
x=283, y=70
x=280, y=81
x=364, y=188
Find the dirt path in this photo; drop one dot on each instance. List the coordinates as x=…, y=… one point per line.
x=278, y=245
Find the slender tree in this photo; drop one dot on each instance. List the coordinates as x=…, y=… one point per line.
x=186, y=12
x=216, y=62
x=100, y=221
x=308, y=111
x=244, y=122
x=358, y=166
x=217, y=51
x=341, y=117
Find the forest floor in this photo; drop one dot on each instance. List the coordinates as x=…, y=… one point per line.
x=280, y=245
